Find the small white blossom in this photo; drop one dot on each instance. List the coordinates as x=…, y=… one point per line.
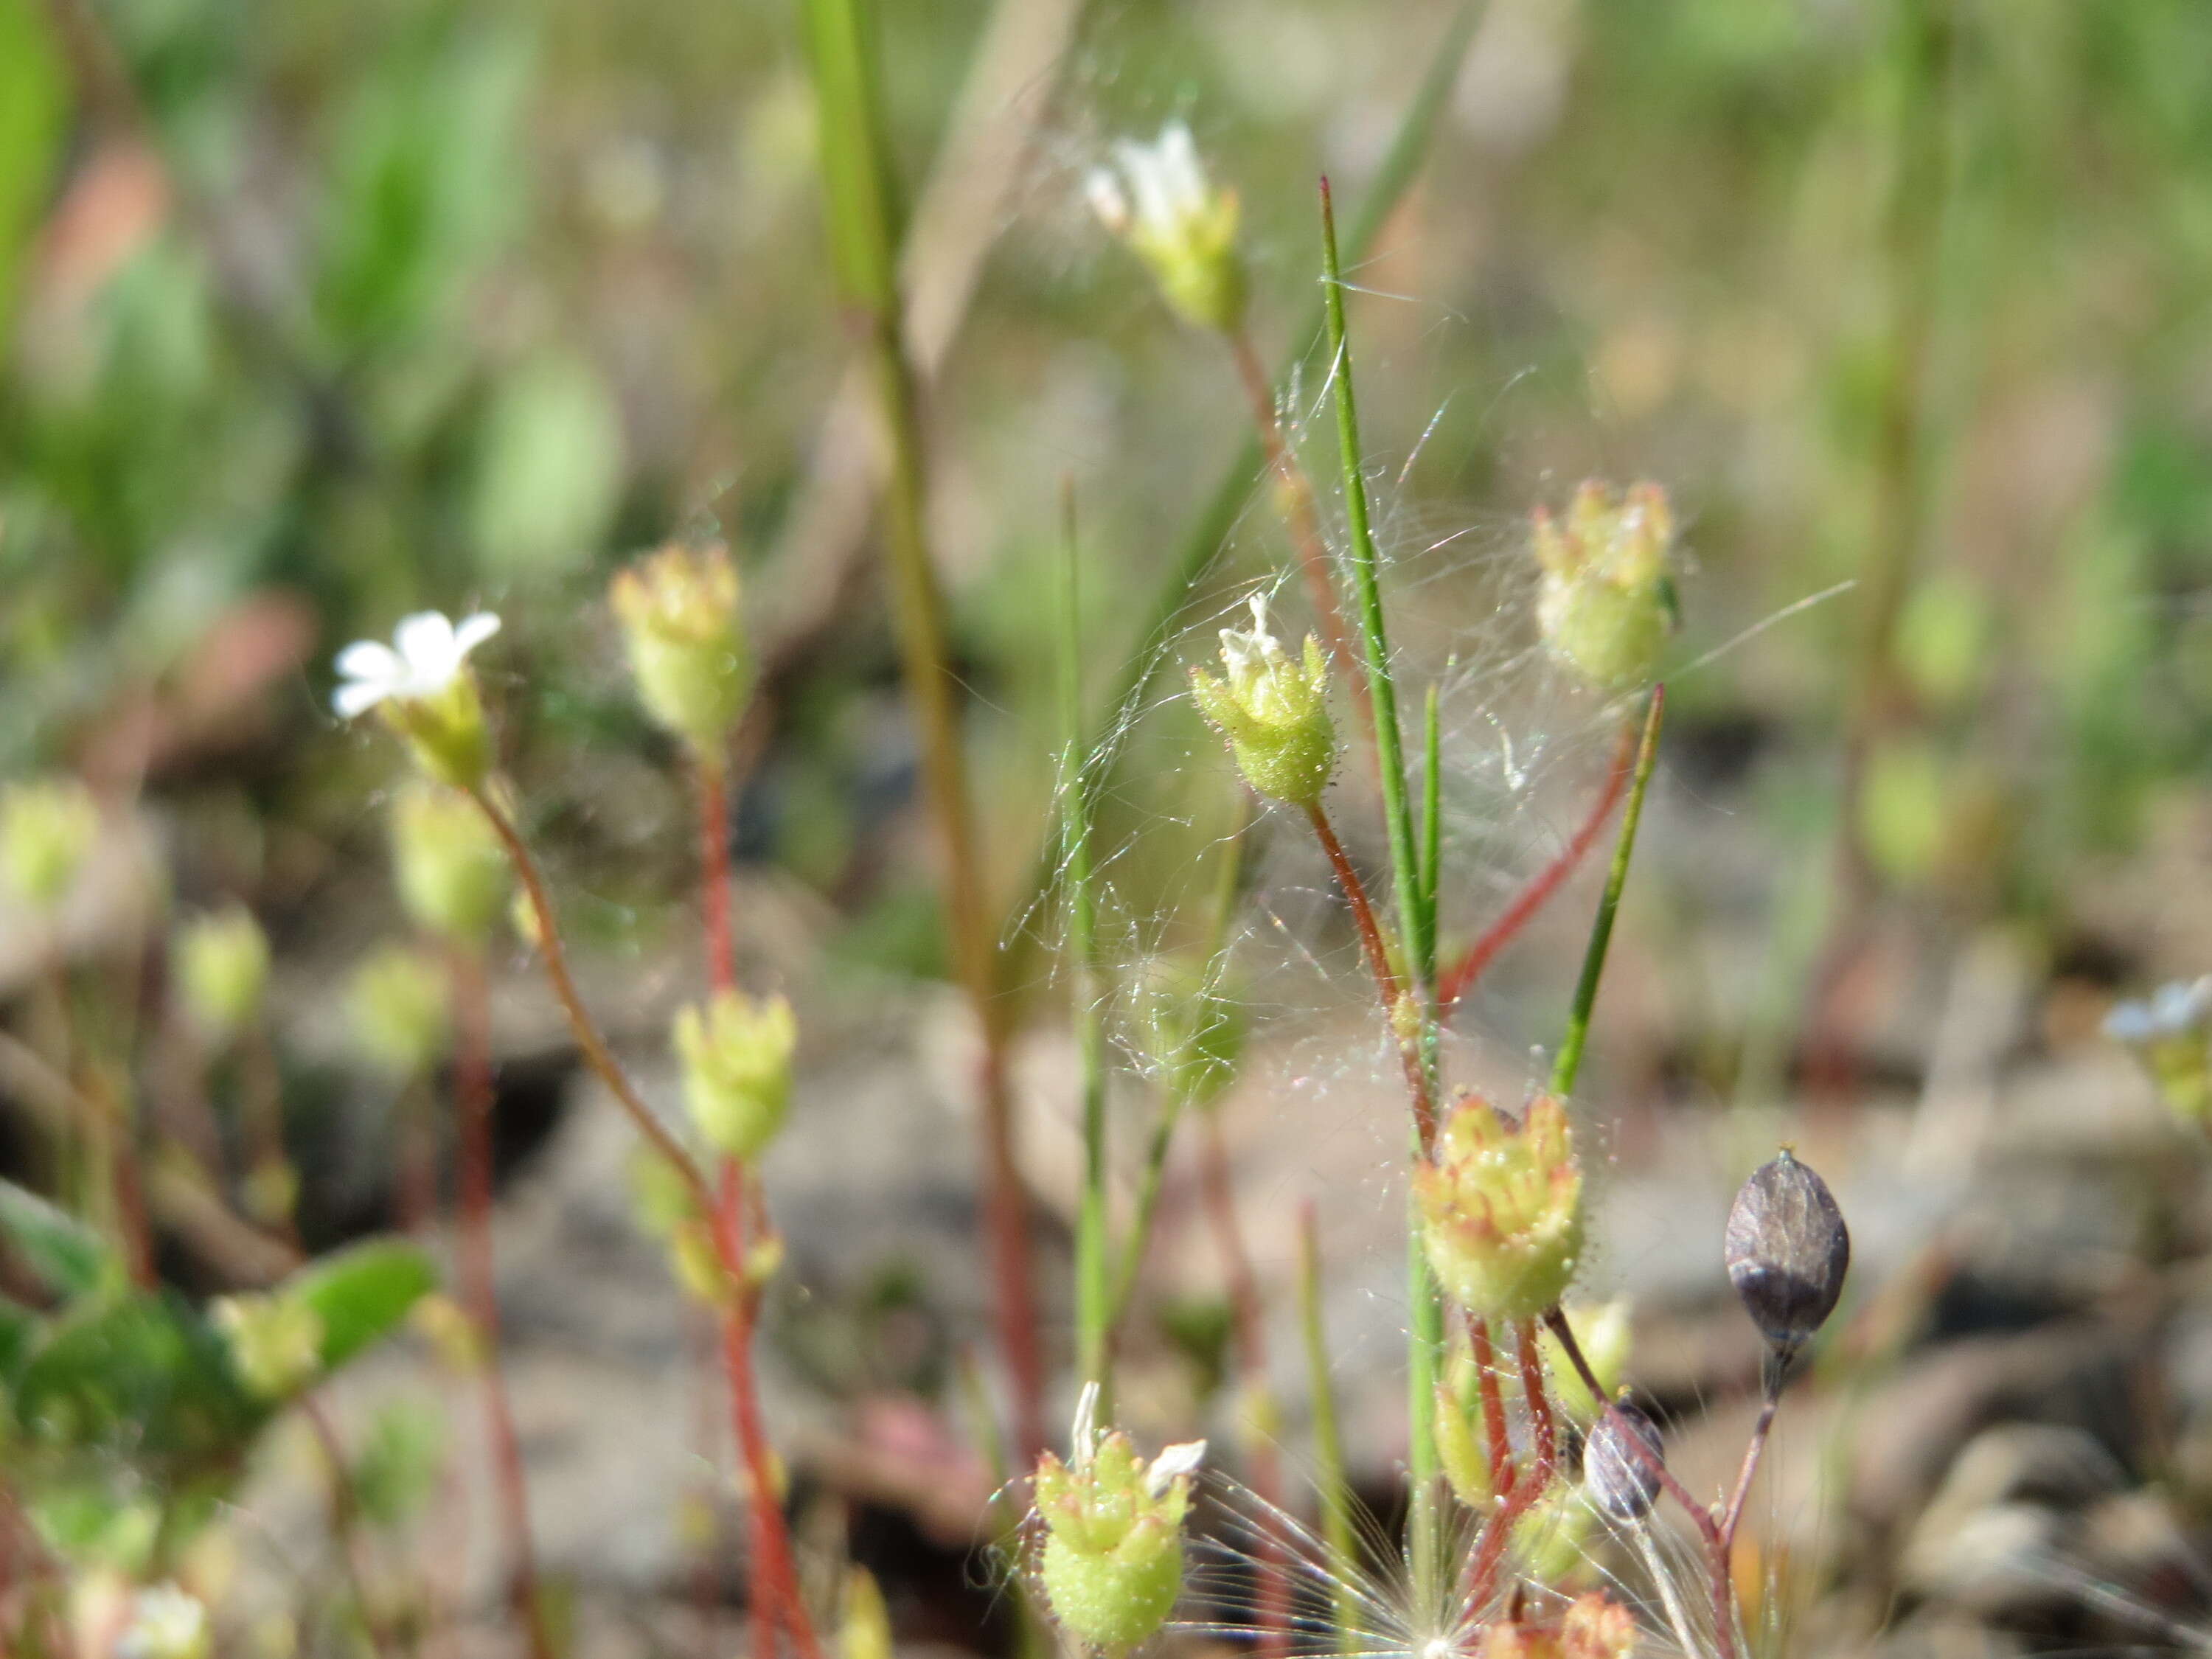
x=1083, y=1437
x=426, y=655
x=166, y=1623
x=2173, y=1009
x=1159, y=190
x=1172, y=1464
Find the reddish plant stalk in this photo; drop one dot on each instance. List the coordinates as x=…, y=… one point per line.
x=1722, y=1584
x=1521, y=1496
x=1006, y=1217
x=1495, y=1440
x=345, y=1522
x=714, y=871
x=1733, y=1515
x=1462, y=973
x=776, y=1588
x=1378, y=963
x=1250, y=1327
x=418, y=1160
x=474, y=1096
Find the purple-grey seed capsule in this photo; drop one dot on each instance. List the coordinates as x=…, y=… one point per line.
x=1787, y=1251
x=1622, y=1479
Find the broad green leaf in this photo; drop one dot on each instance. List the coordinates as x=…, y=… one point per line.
x=68, y=1256
x=361, y=1293
x=33, y=115
x=144, y=1376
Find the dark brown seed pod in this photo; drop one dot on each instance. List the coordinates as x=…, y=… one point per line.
x=1621, y=1480
x=1787, y=1251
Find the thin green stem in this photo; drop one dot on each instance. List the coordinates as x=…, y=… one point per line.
x=856, y=184
x=1569, y=1065
x=1332, y=1483
x=1094, y=1299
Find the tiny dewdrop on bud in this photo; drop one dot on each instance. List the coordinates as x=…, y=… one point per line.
x=166, y=1623
x=447, y=864
x=399, y=1010
x=736, y=1069
x=46, y=828
x=421, y=685
x=275, y=1343
x=1157, y=199
x=220, y=960
x=1113, y=1550
x=2168, y=1032
x=1501, y=1208
x=1622, y=1480
x=1273, y=709
x=685, y=639
x=1606, y=604
x=1787, y=1251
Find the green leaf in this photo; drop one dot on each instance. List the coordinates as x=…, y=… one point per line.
x=142, y=1378
x=69, y=1259
x=550, y=473
x=33, y=113
x=361, y=1293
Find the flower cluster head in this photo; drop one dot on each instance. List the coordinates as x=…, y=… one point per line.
x=2171, y=1032
x=166, y=1623
x=276, y=1342
x=220, y=960
x=1593, y=1626
x=1787, y=1251
x=1157, y=199
x=46, y=828
x=400, y=1011
x=448, y=863
x=1273, y=709
x=1501, y=1208
x=1608, y=602
x=422, y=686
x=1193, y=1033
x=1113, y=1548
x=681, y=626
x=736, y=1068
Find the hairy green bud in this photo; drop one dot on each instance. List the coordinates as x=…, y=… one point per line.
x=220, y=960
x=736, y=1069
x=448, y=864
x=46, y=828
x=680, y=623
x=1272, y=710
x=1501, y=1209
x=1608, y=604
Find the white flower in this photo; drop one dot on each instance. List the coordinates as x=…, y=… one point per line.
x=1172, y=1464
x=425, y=657
x=1158, y=188
x=2174, y=1010
x=166, y=1623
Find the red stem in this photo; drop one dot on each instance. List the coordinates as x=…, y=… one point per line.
x=776, y=1590
x=1733, y=1517
x=1007, y=1219
x=1521, y=1498
x=473, y=1091
x=1378, y=963
x=1497, y=1440
x=714, y=871
x=1468, y=969
x=1248, y=1313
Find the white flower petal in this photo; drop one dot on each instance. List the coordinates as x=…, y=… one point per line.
x=357, y=697
x=425, y=639
x=473, y=632
x=1182, y=177
x=1083, y=1439
x=1107, y=199
x=1172, y=1464
x=369, y=659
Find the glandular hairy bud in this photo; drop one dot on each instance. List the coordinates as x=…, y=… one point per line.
x=1621, y=1462
x=275, y=1343
x=686, y=641
x=220, y=960
x=400, y=1009
x=1193, y=1030
x=2171, y=1033
x=46, y=828
x=1157, y=199
x=1593, y=1626
x=1501, y=1208
x=1787, y=1251
x=1273, y=709
x=736, y=1069
x=1606, y=605
x=447, y=864
x=1112, y=1563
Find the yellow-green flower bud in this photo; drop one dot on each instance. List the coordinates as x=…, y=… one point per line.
x=1156, y=198
x=1113, y=1549
x=220, y=960
x=1272, y=710
x=420, y=686
x=1608, y=604
x=736, y=1069
x=1194, y=1033
x=400, y=1006
x=1501, y=1208
x=46, y=828
x=448, y=865
x=679, y=611
x=275, y=1343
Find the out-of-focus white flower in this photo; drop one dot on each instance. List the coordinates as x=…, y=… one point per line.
x=1157, y=197
x=166, y=1623
x=2171, y=1033
x=426, y=656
